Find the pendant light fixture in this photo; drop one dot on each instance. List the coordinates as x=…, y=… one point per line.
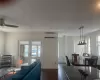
x=82, y=37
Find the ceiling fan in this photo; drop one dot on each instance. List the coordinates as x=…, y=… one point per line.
x=2, y=24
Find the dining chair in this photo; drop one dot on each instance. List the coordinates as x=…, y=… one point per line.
x=93, y=61
x=67, y=60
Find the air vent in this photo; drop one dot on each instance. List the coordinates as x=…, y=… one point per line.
x=50, y=33
x=49, y=37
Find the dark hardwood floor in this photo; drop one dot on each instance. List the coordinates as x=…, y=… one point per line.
x=61, y=73
x=49, y=74
x=54, y=74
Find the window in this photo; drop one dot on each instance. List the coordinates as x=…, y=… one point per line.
x=98, y=44
x=87, y=47
x=36, y=50
x=39, y=50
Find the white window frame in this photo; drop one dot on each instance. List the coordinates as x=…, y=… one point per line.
x=98, y=45
x=89, y=45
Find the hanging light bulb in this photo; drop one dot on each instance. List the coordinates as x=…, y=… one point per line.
x=82, y=37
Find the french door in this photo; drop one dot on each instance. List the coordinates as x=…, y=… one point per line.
x=29, y=51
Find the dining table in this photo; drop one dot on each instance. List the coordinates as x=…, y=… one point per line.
x=73, y=72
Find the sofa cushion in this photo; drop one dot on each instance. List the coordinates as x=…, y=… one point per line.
x=34, y=74
x=26, y=71
x=20, y=74
x=17, y=77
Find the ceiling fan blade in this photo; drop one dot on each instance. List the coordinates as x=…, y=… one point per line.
x=8, y=25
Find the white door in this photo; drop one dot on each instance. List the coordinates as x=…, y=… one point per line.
x=50, y=53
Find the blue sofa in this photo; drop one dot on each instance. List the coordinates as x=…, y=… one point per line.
x=32, y=72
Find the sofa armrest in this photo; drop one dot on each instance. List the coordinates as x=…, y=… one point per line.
x=17, y=77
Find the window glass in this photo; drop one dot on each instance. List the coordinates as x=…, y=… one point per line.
x=39, y=50
x=89, y=47
x=34, y=50
x=99, y=50
x=26, y=47
x=98, y=45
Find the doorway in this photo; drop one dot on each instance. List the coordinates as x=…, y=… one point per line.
x=29, y=51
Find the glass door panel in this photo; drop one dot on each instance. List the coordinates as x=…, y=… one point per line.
x=24, y=52
x=34, y=51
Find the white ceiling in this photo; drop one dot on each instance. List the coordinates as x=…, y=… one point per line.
x=53, y=15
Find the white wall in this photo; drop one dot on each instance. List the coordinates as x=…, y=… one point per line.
x=50, y=56
x=2, y=42
x=93, y=43
x=61, y=58
x=69, y=46
x=66, y=48
x=11, y=47
x=93, y=37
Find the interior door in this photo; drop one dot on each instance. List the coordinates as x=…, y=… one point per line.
x=50, y=57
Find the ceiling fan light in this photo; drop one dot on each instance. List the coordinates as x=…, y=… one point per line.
x=79, y=43
x=82, y=38
x=82, y=43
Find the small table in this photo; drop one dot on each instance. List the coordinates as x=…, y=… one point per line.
x=14, y=70
x=3, y=72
